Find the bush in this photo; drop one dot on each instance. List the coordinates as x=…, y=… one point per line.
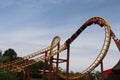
x=8, y=76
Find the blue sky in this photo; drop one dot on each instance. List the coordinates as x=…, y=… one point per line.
x=30, y=25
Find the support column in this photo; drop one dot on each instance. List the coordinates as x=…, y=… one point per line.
x=89, y=77
x=67, y=66
x=24, y=77
x=102, y=77
x=50, y=69
x=44, y=69
x=28, y=73
x=57, y=64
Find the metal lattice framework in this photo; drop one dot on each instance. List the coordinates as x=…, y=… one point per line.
x=40, y=55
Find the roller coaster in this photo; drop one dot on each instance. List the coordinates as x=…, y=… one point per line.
x=49, y=53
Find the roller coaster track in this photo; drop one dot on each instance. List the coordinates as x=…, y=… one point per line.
x=103, y=23
x=3, y=65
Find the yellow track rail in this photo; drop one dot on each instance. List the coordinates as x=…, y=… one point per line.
x=103, y=23
x=3, y=65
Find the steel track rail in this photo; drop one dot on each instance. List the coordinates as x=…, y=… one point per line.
x=102, y=22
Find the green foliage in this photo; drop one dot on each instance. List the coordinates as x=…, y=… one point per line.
x=0, y=53
x=36, y=67
x=34, y=79
x=11, y=53
x=5, y=59
x=8, y=76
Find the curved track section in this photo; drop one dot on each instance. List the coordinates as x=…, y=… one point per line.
x=20, y=67
x=103, y=23
x=57, y=41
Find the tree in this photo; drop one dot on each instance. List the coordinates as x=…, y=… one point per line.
x=11, y=53
x=0, y=54
x=5, y=59
x=8, y=76
x=35, y=69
